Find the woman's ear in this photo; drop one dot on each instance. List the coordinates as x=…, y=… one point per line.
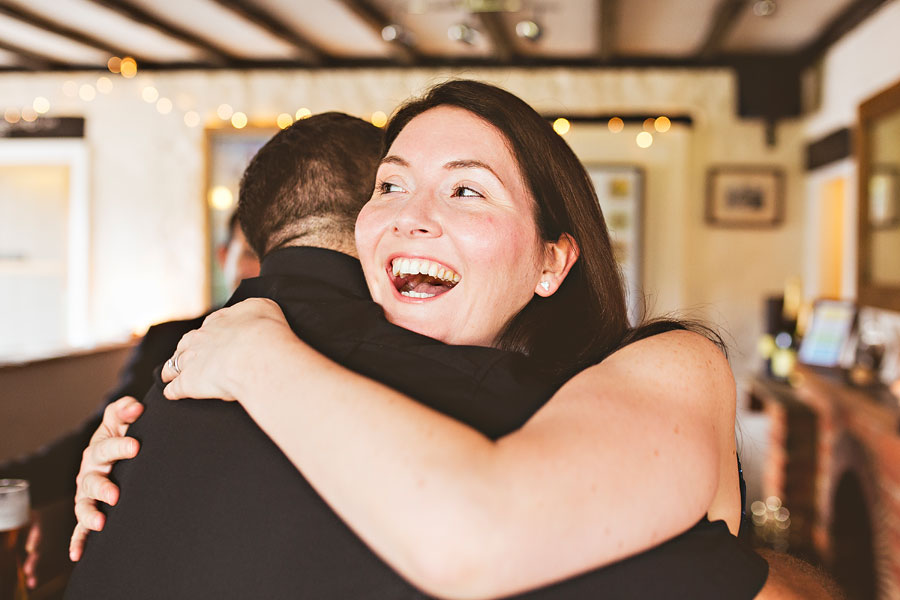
x=559, y=256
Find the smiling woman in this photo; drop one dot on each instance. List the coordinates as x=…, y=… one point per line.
x=484, y=229
x=449, y=196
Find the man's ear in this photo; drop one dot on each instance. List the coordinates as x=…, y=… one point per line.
x=559, y=256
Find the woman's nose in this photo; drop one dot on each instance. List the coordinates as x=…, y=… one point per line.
x=417, y=218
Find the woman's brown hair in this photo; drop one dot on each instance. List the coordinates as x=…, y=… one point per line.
x=586, y=319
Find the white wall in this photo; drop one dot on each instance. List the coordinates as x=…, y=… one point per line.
x=860, y=65
x=148, y=215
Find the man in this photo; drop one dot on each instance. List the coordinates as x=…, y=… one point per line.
x=51, y=471
x=211, y=508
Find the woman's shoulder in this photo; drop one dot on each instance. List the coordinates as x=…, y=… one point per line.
x=677, y=365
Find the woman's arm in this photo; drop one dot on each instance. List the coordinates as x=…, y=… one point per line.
x=624, y=456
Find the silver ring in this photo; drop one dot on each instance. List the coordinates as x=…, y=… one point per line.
x=174, y=363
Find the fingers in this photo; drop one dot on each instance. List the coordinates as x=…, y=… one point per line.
x=32, y=555
x=101, y=455
x=174, y=390
x=96, y=486
x=168, y=371
x=117, y=416
x=89, y=518
x=76, y=544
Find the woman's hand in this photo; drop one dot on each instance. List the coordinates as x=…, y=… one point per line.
x=108, y=445
x=233, y=346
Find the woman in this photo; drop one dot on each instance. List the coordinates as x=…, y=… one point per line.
x=484, y=229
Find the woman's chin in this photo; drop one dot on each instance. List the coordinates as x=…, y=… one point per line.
x=419, y=324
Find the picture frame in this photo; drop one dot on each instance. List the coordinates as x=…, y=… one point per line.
x=620, y=192
x=228, y=152
x=884, y=197
x=829, y=333
x=744, y=197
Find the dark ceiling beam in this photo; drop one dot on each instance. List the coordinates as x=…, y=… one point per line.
x=263, y=19
x=33, y=60
x=376, y=20
x=853, y=15
x=217, y=55
x=35, y=20
x=606, y=32
x=725, y=18
x=498, y=34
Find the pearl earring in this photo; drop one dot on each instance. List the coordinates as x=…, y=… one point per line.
x=545, y=285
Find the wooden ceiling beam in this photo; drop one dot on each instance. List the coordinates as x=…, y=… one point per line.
x=263, y=19
x=498, y=34
x=608, y=11
x=216, y=54
x=35, y=20
x=33, y=60
x=376, y=20
x=724, y=20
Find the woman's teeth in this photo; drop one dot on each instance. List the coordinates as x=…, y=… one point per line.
x=422, y=278
x=402, y=267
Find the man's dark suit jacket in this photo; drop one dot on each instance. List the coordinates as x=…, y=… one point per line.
x=210, y=508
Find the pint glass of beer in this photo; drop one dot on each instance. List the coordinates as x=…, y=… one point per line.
x=13, y=525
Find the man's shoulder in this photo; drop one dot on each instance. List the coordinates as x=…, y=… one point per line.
x=169, y=329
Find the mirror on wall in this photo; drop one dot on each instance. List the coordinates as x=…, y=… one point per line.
x=879, y=200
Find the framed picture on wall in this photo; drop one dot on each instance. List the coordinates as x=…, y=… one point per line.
x=620, y=190
x=884, y=197
x=228, y=152
x=744, y=196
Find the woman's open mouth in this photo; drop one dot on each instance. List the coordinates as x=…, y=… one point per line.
x=421, y=278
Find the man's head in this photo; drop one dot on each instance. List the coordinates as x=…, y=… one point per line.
x=307, y=184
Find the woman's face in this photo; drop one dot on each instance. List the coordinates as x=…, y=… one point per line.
x=448, y=241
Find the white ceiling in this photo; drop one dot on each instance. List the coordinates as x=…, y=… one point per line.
x=218, y=32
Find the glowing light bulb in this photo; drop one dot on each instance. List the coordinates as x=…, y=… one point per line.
x=302, y=113
x=224, y=111
x=379, y=119
x=561, y=126
x=104, y=85
x=164, y=106
x=150, y=94
x=662, y=124
x=40, y=105
x=616, y=124
x=114, y=64
x=284, y=120
x=644, y=139
x=221, y=198
x=239, y=120
x=128, y=67
x=191, y=118
x=87, y=92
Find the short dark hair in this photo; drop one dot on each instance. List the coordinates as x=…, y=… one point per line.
x=321, y=167
x=586, y=319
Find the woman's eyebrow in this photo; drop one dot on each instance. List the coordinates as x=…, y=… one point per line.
x=394, y=159
x=472, y=164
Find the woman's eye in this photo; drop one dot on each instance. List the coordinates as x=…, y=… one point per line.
x=465, y=192
x=385, y=187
